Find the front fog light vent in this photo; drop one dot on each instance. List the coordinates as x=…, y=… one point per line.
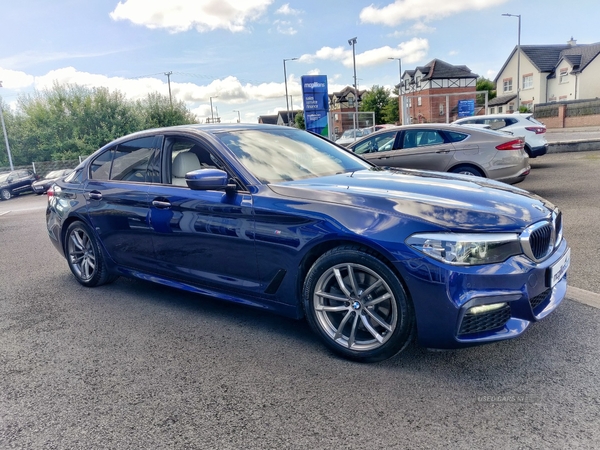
x=480, y=319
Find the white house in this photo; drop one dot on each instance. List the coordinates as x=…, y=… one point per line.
x=547, y=73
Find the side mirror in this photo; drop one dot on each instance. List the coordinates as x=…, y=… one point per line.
x=208, y=180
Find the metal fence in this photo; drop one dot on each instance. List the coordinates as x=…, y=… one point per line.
x=42, y=168
x=340, y=122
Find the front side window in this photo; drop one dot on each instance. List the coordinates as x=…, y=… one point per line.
x=380, y=143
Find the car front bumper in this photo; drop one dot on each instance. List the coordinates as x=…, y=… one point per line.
x=462, y=306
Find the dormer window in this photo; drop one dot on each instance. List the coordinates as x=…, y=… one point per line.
x=564, y=76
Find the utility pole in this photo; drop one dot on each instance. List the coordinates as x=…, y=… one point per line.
x=287, y=104
x=237, y=111
x=168, y=74
x=518, y=59
x=6, y=136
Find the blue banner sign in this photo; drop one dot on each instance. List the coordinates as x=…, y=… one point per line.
x=316, y=103
x=466, y=108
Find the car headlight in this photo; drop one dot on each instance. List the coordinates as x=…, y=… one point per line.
x=467, y=248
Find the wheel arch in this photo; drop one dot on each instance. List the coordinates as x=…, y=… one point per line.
x=319, y=249
x=470, y=165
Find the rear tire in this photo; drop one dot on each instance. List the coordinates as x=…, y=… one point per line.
x=467, y=170
x=357, y=305
x=5, y=194
x=85, y=257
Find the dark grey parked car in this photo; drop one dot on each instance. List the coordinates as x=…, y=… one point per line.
x=41, y=186
x=16, y=182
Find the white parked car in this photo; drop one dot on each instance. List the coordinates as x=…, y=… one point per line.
x=523, y=125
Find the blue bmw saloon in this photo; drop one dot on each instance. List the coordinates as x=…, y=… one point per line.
x=286, y=221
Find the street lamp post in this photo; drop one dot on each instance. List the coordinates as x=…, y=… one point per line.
x=237, y=111
x=400, y=98
x=287, y=103
x=518, y=59
x=212, y=116
x=352, y=42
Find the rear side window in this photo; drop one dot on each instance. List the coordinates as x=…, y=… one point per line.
x=456, y=137
x=128, y=161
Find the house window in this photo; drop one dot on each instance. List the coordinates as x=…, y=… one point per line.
x=527, y=81
x=511, y=107
x=335, y=117
x=418, y=101
x=350, y=101
x=418, y=81
x=441, y=109
x=507, y=84
x=409, y=102
x=492, y=110
x=499, y=109
x=564, y=76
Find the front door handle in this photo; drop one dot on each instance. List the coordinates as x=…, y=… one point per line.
x=161, y=204
x=95, y=195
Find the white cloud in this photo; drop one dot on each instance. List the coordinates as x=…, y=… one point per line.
x=491, y=74
x=285, y=27
x=286, y=10
x=415, y=29
x=182, y=15
x=453, y=52
x=313, y=72
x=406, y=10
x=410, y=52
x=13, y=79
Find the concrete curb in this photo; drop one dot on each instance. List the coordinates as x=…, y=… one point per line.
x=581, y=145
x=583, y=296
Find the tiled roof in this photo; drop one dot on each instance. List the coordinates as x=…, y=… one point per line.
x=438, y=69
x=546, y=57
x=543, y=57
x=501, y=100
x=270, y=119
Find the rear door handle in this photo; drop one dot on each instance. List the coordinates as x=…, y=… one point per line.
x=161, y=204
x=95, y=195
x=443, y=151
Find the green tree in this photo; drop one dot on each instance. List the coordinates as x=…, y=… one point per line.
x=299, y=120
x=483, y=84
x=68, y=121
x=380, y=101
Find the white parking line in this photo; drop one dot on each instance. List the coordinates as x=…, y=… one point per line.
x=5, y=212
x=583, y=296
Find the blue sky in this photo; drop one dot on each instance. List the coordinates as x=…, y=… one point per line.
x=233, y=50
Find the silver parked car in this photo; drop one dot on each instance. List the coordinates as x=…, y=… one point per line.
x=447, y=148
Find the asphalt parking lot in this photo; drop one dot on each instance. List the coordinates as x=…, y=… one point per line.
x=135, y=365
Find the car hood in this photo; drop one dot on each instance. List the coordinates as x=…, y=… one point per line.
x=455, y=202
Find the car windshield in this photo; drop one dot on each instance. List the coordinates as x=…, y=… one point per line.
x=351, y=133
x=288, y=154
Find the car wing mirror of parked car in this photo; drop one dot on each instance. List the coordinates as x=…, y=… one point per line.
x=208, y=180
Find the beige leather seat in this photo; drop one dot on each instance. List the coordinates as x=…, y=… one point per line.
x=183, y=163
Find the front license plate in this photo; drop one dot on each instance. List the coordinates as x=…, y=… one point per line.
x=559, y=268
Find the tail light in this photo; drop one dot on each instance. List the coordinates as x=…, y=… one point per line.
x=50, y=192
x=536, y=130
x=515, y=144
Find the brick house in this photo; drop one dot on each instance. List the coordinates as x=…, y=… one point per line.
x=342, y=102
x=548, y=73
x=430, y=93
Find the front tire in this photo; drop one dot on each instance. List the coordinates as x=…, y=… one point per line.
x=357, y=305
x=85, y=257
x=5, y=194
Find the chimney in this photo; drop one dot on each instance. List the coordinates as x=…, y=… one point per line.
x=572, y=42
